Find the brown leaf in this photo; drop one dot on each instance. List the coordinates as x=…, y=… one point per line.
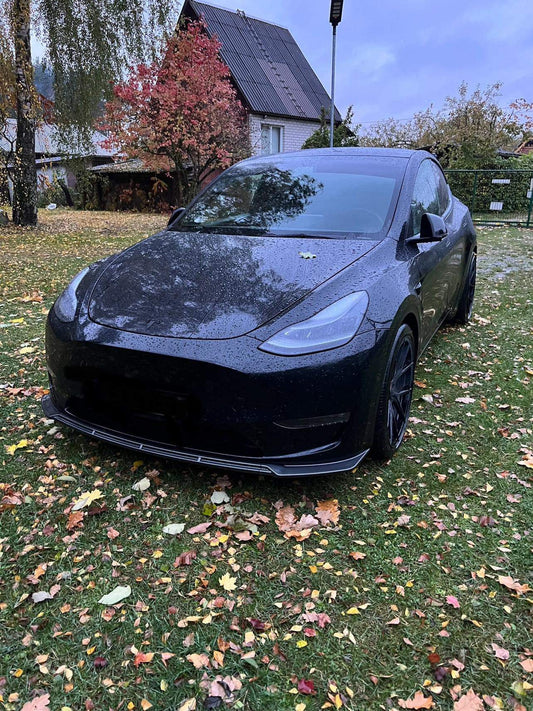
x=419, y=701
x=328, y=512
x=39, y=703
x=508, y=582
x=527, y=665
x=469, y=702
x=74, y=520
x=200, y=528
x=185, y=558
x=198, y=660
x=500, y=652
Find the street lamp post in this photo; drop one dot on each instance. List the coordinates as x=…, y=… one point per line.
x=335, y=15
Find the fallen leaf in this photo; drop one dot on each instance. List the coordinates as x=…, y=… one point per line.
x=328, y=511
x=453, y=601
x=469, y=702
x=500, y=652
x=419, y=701
x=87, y=498
x=198, y=660
x=219, y=497
x=143, y=658
x=116, y=595
x=227, y=582
x=12, y=448
x=145, y=704
x=41, y=596
x=201, y=528
x=185, y=558
x=306, y=686
x=100, y=662
x=188, y=705
x=174, y=528
x=142, y=484
x=74, y=520
x=39, y=703
x=527, y=665
x=508, y=582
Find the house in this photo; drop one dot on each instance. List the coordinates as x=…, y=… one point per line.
x=274, y=81
x=51, y=160
x=526, y=147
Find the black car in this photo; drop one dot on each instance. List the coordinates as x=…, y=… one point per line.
x=274, y=326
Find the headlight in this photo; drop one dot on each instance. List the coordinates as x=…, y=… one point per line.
x=332, y=327
x=66, y=305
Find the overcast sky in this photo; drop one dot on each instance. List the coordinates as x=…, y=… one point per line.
x=395, y=58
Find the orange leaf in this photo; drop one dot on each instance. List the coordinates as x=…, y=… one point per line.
x=469, y=702
x=198, y=660
x=419, y=701
x=142, y=658
x=145, y=704
x=508, y=582
x=527, y=665
x=74, y=520
x=328, y=511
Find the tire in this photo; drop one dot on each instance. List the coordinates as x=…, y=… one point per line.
x=466, y=300
x=396, y=394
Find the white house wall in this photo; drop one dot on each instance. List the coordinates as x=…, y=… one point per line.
x=295, y=132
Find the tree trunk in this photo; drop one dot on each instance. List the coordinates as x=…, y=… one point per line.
x=25, y=173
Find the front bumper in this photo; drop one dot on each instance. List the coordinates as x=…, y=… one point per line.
x=167, y=452
x=223, y=404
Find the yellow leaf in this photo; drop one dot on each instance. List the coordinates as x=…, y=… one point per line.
x=18, y=673
x=353, y=611
x=313, y=568
x=157, y=554
x=301, y=643
x=87, y=498
x=188, y=705
x=163, y=685
x=227, y=582
x=12, y=448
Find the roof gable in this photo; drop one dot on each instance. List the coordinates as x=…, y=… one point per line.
x=266, y=64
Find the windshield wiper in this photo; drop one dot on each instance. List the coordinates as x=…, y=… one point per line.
x=307, y=235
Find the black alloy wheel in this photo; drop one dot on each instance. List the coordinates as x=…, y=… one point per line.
x=396, y=395
x=466, y=301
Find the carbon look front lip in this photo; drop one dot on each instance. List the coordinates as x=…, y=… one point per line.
x=267, y=467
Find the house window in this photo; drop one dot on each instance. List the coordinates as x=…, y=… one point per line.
x=271, y=139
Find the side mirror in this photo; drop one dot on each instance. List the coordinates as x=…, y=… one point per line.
x=175, y=214
x=432, y=229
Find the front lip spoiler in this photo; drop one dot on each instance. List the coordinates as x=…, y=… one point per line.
x=269, y=468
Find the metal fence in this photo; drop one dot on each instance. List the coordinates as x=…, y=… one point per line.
x=495, y=196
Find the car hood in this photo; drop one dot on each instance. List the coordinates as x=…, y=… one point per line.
x=191, y=285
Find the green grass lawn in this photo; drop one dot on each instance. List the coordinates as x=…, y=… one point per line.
x=420, y=586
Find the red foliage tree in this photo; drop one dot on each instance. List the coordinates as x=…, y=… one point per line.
x=182, y=115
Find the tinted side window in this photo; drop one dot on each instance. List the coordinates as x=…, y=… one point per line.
x=442, y=189
x=425, y=194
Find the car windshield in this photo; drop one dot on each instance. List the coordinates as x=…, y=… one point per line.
x=319, y=196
